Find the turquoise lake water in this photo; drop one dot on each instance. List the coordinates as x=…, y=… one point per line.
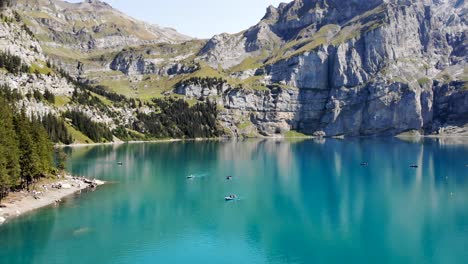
x=299, y=202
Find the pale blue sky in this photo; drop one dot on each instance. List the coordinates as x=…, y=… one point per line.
x=197, y=18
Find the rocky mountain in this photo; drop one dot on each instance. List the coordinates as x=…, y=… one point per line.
x=319, y=67
x=86, y=32
x=73, y=111
x=90, y=25
x=351, y=68
x=38, y=77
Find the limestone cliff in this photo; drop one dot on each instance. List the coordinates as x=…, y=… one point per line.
x=320, y=67
x=353, y=67
x=90, y=25
x=40, y=77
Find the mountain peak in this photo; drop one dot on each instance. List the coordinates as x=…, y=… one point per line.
x=321, y=67
x=91, y=24
x=97, y=3
x=271, y=13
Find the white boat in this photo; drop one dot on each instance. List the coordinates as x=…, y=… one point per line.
x=191, y=176
x=230, y=198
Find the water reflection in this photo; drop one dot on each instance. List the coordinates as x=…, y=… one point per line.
x=301, y=202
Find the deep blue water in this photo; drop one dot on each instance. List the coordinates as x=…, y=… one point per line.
x=299, y=202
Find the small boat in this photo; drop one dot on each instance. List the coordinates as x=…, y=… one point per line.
x=228, y=177
x=120, y=163
x=364, y=164
x=414, y=166
x=191, y=176
x=230, y=197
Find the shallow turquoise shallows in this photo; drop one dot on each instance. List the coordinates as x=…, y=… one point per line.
x=298, y=202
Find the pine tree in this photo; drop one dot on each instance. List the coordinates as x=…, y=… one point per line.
x=43, y=148
x=57, y=129
x=26, y=152
x=61, y=159
x=29, y=159
x=50, y=97
x=9, y=152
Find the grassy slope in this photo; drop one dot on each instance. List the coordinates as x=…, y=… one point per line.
x=295, y=134
x=79, y=137
x=155, y=86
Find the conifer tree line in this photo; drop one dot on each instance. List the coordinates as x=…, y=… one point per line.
x=53, y=125
x=47, y=96
x=57, y=130
x=172, y=118
x=26, y=152
x=12, y=63
x=102, y=90
x=5, y=3
x=204, y=82
x=176, y=119
x=82, y=93
x=95, y=131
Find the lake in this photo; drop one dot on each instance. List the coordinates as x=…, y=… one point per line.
x=299, y=201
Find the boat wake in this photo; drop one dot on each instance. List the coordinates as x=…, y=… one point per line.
x=197, y=175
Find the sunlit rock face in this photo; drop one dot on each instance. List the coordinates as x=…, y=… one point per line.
x=353, y=68
x=90, y=25
x=321, y=67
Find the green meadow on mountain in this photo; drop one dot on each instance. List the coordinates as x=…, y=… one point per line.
x=293, y=102
x=384, y=68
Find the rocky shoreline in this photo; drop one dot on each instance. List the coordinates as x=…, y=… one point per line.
x=44, y=194
x=454, y=132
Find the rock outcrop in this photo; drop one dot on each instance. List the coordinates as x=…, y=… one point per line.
x=90, y=25
x=321, y=67
x=355, y=68
x=131, y=63
x=41, y=77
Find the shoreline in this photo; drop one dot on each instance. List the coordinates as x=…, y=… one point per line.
x=46, y=193
x=134, y=142
x=446, y=136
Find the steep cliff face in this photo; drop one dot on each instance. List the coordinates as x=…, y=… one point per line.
x=357, y=68
x=83, y=37
x=321, y=67
x=90, y=25
x=39, y=77
x=152, y=61
x=299, y=19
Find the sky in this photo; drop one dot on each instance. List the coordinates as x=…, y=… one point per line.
x=197, y=18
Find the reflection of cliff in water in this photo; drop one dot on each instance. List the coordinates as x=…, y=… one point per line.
x=307, y=192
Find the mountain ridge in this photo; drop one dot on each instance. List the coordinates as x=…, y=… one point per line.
x=320, y=67
x=89, y=23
